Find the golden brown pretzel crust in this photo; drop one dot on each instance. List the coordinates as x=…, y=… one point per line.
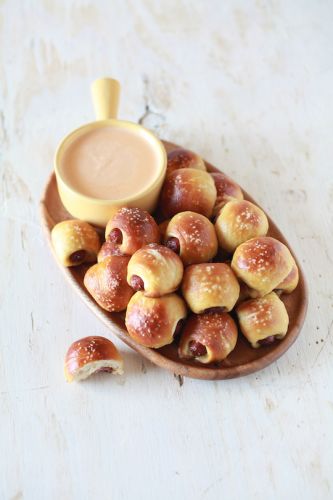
x=160, y=269
x=107, y=250
x=196, y=235
x=262, y=263
x=188, y=189
x=289, y=284
x=239, y=221
x=210, y=285
x=183, y=158
x=94, y=353
x=162, y=227
x=106, y=282
x=226, y=189
x=217, y=332
x=152, y=321
x=137, y=226
x=263, y=317
x=72, y=236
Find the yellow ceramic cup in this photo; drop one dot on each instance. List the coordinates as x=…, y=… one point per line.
x=97, y=211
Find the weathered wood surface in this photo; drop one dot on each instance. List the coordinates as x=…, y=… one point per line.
x=249, y=86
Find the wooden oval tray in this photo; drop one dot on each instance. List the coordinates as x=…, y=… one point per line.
x=242, y=361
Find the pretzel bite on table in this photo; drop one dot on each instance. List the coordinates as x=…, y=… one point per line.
x=263, y=320
x=188, y=189
x=210, y=288
x=153, y=322
x=106, y=282
x=192, y=236
x=92, y=355
x=183, y=158
x=208, y=338
x=262, y=263
x=155, y=269
x=130, y=229
x=239, y=221
x=74, y=242
x=227, y=190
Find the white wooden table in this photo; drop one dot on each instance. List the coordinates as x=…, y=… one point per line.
x=249, y=85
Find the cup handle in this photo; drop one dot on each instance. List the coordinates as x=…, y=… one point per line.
x=105, y=94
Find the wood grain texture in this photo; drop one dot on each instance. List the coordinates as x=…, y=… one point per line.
x=242, y=361
x=249, y=85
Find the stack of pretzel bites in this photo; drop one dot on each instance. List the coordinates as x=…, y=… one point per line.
x=179, y=275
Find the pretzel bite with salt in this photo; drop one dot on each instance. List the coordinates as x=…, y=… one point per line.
x=155, y=269
x=210, y=288
x=75, y=242
x=263, y=320
x=192, y=236
x=188, y=189
x=239, y=221
x=208, y=338
x=130, y=229
x=106, y=282
x=91, y=355
x=262, y=263
x=153, y=322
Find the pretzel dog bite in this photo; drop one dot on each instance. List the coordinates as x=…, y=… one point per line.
x=263, y=320
x=153, y=322
x=130, y=229
x=262, y=263
x=188, y=189
x=192, y=236
x=74, y=242
x=92, y=355
x=210, y=288
x=155, y=269
x=239, y=221
x=106, y=282
x=208, y=338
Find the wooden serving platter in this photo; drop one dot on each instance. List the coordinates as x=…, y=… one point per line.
x=242, y=361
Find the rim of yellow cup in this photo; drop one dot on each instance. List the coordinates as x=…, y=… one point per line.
x=106, y=97
x=80, y=131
